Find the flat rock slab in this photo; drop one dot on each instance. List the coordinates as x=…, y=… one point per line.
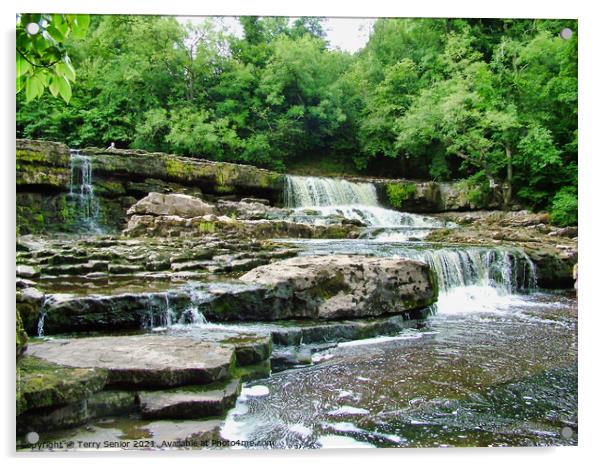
x=155, y=361
x=189, y=402
x=41, y=384
x=250, y=347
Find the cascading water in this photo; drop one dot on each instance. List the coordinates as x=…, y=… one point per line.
x=42, y=315
x=317, y=200
x=160, y=314
x=472, y=279
x=193, y=315
x=81, y=191
x=309, y=191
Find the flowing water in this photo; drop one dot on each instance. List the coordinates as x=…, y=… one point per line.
x=318, y=200
x=495, y=365
x=467, y=378
x=81, y=192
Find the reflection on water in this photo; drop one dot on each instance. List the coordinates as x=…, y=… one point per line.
x=506, y=377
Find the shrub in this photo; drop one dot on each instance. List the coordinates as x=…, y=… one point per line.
x=564, y=210
x=398, y=193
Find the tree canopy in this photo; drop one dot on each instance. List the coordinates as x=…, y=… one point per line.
x=490, y=101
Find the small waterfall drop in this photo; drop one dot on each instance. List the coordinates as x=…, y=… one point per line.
x=193, y=314
x=505, y=270
x=42, y=315
x=310, y=191
x=333, y=197
x=160, y=314
x=478, y=279
x=81, y=191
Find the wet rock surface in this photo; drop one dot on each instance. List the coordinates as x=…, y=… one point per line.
x=337, y=287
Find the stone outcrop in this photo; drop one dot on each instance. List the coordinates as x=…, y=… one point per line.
x=434, y=196
x=341, y=286
x=120, y=178
x=42, y=384
x=217, y=178
x=42, y=165
x=63, y=383
x=68, y=313
x=177, y=215
x=143, y=361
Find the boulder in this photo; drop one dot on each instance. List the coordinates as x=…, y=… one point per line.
x=344, y=286
x=148, y=361
x=27, y=271
x=180, y=205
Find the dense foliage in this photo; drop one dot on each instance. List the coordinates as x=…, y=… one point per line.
x=490, y=101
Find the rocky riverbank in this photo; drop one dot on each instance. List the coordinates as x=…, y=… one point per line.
x=197, y=289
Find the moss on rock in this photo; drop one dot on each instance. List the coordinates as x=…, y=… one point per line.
x=21, y=336
x=41, y=384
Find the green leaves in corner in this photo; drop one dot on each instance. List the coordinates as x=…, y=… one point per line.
x=42, y=60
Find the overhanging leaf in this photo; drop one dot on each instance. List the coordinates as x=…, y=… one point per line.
x=33, y=87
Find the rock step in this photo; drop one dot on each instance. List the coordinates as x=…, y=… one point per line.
x=346, y=330
x=100, y=404
x=42, y=384
x=189, y=402
x=146, y=361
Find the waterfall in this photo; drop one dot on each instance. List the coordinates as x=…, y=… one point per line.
x=81, y=190
x=160, y=314
x=333, y=197
x=310, y=191
x=42, y=315
x=508, y=271
x=193, y=315
x=478, y=279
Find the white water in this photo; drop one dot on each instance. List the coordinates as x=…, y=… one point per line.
x=322, y=198
x=469, y=278
x=81, y=190
x=42, y=315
